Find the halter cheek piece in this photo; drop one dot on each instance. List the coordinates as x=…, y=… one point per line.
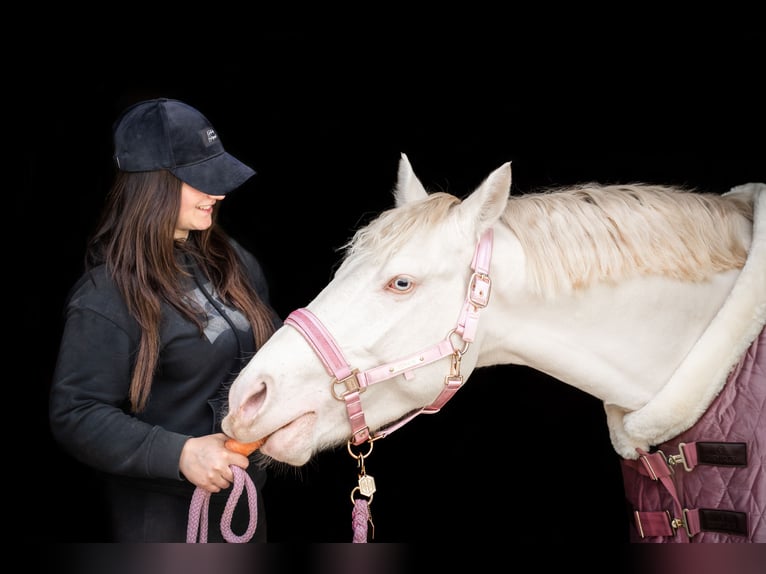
x=348, y=384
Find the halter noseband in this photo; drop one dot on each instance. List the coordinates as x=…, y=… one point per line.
x=348, y=383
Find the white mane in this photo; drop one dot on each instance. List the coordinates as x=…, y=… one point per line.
x=576, y=236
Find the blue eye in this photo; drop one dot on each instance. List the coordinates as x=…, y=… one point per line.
x=401, y=284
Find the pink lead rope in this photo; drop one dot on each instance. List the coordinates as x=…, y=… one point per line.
x=198, y=511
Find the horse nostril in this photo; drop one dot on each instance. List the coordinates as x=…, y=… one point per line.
x=253, y=404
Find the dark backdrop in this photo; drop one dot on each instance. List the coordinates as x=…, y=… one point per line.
x=516, y=455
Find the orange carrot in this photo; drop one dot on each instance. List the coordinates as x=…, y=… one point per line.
x=245, y=448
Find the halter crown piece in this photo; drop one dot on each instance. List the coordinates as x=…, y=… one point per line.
x=348, y=383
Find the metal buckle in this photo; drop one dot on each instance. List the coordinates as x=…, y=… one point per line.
x=360, y=436
x=680, y=457
x=670, y=460
x=351, y=383
x=480, y=289
x=677, y=523
x=685, y=522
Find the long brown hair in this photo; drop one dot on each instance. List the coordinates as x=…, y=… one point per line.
x=135, y=239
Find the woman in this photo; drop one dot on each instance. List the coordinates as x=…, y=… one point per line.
x=167, y=312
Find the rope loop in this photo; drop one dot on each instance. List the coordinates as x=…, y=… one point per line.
x=197, y=526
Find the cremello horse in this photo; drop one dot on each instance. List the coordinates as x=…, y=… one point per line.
x=643, y=296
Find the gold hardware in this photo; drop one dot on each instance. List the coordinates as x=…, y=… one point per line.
x=366, y=485
x=481, y=299
x=361, y=456
x=466, y=344
x=353, y=500
x=676, y=523
x=682, y=456
x=686, y=523
x=455, y=364
x=350, y=383
x=675, y=459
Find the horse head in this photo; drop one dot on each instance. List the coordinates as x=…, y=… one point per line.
x=408, y=271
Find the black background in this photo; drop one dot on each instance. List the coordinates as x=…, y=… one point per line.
x=516, y=455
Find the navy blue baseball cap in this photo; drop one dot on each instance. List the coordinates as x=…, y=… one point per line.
x=169, y=134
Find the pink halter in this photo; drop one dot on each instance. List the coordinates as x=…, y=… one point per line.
x=348, y=383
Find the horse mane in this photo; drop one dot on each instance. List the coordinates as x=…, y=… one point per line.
x=574, y=237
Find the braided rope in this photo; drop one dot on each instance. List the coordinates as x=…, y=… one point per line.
x=200, y=504
x=359, y=518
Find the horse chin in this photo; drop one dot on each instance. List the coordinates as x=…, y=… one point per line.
x=292, y=443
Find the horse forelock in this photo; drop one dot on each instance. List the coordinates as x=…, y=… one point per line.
x=392, y=229
x=575, y=237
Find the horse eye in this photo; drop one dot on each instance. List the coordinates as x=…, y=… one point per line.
x=402, y=284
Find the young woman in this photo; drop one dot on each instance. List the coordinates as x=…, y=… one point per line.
x=168, y=311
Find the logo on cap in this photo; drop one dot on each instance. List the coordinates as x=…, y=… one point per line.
x=211, y=136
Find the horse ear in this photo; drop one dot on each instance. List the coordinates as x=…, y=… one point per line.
x=408, y=186
x=488, y=202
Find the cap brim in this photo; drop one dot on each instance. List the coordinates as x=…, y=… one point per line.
x=218, y=175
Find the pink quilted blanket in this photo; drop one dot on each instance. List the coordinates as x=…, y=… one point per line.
x=729, y=483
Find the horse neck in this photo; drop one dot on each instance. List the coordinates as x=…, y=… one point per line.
x=620, y=343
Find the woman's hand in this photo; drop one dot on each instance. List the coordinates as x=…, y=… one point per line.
x=205, y=462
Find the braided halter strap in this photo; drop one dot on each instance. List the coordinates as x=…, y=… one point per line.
x=348, y=384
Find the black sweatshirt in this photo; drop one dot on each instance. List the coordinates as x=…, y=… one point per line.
x=89, y=412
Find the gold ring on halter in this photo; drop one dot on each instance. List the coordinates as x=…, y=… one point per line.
x=353, y=500
x=360, y=455
x=466, y=344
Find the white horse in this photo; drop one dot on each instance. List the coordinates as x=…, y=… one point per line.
x=643, y=296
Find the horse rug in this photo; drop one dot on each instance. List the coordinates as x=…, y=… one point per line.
x=693, y=457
